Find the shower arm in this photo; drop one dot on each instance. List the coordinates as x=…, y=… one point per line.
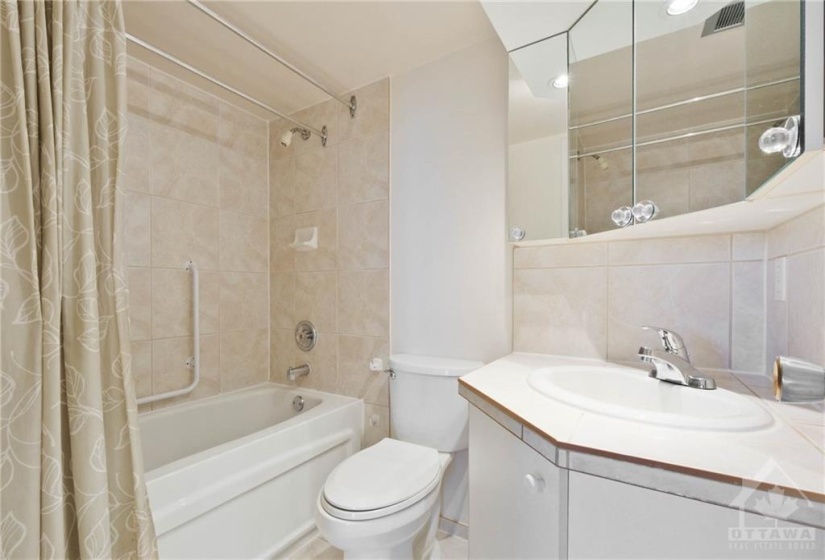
x=195, y=360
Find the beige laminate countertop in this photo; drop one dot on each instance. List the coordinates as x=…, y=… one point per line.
x=786, y=458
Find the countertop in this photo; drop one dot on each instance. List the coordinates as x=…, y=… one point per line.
x=733, y=469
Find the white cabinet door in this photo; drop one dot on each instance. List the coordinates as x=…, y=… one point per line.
x=609, y=519
x=516, y=495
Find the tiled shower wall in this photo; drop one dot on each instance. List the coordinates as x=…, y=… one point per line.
x=590, y=299
x=796, y=326
x=196, y=178
x=343, y=286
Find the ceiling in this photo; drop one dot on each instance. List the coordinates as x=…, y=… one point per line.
x=344, y=45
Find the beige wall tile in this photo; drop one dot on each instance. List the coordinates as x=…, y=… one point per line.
x=363, y=304
x=281, y=234
x=137, y=157
x=242, y=132
x=170, y=372
x=748, y=320
x=282, y=301
x=376, y=424
x=316, y=179
x=560, y=311
x=244, y=301
x=281, y=187
x=172, y=302
x=554, y=256
x=138, y=229
x=373, y=112
x=709, y=248
x=142, y=367
x=140, y=303
x=325, y=257
x=806, y=306
x=282, y=346
x=184, y=166
x=354, y=376
x=176, y=103
x=138, y=84
x=776, y=343
x=749, y=246
x=316, y=300
x=323, y=361
x=181, y=232
x=691, y=299
x=243, y=183
x=243, y=243
x=364, y=231
x=244, y=359
x=805, y=232
x=364, y=167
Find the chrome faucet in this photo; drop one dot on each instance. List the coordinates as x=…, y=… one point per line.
x=294, y=373
x=672, y=364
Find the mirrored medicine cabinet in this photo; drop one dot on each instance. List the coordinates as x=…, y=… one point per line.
x=636, y=114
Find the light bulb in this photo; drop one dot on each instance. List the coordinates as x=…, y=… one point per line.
x=561, y=81
x=679, y=7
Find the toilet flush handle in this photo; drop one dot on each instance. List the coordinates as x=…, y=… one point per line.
x=534, y=483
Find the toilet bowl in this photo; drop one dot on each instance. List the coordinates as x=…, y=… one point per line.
x=385, y=501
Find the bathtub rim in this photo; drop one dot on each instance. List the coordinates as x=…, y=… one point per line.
x=330, y=402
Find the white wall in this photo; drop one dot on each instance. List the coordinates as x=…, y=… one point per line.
x=536, y=185
x=450, y=261
x=450, y=283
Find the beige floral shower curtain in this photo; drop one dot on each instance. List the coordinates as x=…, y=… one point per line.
x=71, y=482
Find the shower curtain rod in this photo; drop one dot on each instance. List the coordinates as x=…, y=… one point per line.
x=322, y=134
x=349, y=103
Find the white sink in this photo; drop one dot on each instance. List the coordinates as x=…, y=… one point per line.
x=632, y=395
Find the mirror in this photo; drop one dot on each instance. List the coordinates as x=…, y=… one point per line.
x=537, y=141
x=666, y=113
x=601, y=116
x=680, y=107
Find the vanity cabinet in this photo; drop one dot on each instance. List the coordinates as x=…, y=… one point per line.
x=580, y=516
x=515, y=495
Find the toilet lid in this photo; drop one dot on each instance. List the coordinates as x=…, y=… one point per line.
x=383, y=475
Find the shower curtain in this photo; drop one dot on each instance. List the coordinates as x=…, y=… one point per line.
x=71, y=481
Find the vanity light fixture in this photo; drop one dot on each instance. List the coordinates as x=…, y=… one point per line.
x=560, y=82
x=679, y=7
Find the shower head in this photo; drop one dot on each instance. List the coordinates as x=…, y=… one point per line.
x=286, y=139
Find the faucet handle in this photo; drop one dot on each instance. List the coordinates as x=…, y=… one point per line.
x=671, y=341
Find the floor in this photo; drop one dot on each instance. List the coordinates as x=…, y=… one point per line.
x=452, y=548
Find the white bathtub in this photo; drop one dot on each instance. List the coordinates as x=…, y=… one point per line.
x=237, y=475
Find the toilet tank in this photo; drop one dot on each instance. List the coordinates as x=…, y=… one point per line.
x=425, y=407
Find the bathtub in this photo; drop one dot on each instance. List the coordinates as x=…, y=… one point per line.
x=237, y=475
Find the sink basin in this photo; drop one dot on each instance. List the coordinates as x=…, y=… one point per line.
x=632, y=395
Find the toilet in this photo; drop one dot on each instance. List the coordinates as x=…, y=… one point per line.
x=385, y=501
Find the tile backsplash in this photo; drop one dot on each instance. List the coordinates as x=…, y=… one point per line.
x=590, y=299
x=343, y=286
x=195, y=175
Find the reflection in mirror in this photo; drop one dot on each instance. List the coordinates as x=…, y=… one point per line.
x=537, y=158
x=772, y=72
x=690, y=102
x=691, y=111
x=601, y=123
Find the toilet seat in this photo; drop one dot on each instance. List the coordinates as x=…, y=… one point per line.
x=383, y=479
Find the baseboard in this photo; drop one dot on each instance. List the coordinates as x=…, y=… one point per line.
x=454, y=528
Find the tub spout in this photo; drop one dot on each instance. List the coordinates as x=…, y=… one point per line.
x=294, y=373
